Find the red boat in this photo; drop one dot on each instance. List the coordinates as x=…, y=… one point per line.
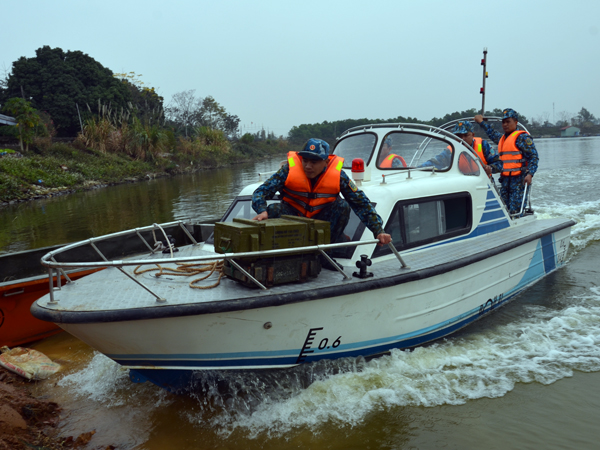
x=22, y=281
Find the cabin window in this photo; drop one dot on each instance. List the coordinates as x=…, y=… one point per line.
x=400, y=149
x=416, y=223
x=356, y=146
x=467, y=165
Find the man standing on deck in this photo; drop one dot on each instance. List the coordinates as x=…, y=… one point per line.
x=491, y=160
x=310, y=184
x=518, y=155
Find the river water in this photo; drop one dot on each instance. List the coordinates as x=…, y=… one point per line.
x=527, y=376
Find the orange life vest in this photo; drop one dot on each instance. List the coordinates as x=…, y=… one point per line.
x=387, y=162
x=308, y=199
x=510, y=155
x=478, y=147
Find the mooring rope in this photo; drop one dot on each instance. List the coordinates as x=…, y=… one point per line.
x=188, y=270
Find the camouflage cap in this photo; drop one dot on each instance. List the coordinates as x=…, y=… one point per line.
x=315, y=149
x=463, y=128
x=510, y=113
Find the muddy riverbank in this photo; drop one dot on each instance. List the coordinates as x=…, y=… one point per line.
x=28, y=422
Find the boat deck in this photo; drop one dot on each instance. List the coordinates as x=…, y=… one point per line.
x=110, y=291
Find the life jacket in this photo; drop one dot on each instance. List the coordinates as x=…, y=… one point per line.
x=307, y=199
x=478, y=147
x=467, y=164
x=510, y=155
x=387, y=162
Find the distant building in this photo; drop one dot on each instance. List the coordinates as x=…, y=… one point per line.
x=7, y=120
x=569, y=131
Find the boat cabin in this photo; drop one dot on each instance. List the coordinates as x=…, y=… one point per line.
x=427, y=185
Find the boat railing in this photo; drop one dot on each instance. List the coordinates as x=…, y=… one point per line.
x=406, y=172
x=419, y=126
x=526, y=190
x=54, y=266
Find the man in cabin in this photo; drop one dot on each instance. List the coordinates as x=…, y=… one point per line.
x=464, y=130
x=387, y=159
x=483, y=149
x=310, y=184
x=518, y=155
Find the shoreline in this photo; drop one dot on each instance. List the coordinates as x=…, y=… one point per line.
x=26, y=421
x=37, y=192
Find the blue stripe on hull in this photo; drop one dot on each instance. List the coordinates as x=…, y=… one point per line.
x=548, y=253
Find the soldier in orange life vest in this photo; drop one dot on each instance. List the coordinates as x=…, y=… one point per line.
x=518, y=155
x=491, y=160
x=310, y=184
x=387, y=159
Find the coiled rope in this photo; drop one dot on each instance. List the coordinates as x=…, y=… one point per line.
x=188, y=270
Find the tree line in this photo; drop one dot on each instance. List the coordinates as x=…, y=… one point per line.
x=68, y=93
x=539, y=125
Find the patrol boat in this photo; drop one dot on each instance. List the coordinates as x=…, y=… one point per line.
x=456, y=256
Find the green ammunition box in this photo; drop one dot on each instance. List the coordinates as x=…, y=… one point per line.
x=277, y=270
x=244, y=235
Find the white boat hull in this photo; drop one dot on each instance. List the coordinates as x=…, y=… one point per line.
x=365, y=323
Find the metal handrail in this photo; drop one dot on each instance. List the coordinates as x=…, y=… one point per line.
x=187, y=259
x=49, y=261
x=91, y=241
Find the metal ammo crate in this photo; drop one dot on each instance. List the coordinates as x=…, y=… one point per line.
x=243, y=235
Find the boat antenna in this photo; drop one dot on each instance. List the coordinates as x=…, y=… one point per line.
x=485, y=75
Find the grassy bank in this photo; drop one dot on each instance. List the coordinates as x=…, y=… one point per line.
x=62, y=168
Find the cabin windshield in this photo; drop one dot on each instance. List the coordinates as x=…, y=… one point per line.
x=397, y=150
x=402, y=149
x=356, y=146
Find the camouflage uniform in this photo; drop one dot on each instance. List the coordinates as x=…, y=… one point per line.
x=440, y=162
x=337, y=214
x=512, y=188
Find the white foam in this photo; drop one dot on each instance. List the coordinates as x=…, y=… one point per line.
x=106, y=382
x=544, y=346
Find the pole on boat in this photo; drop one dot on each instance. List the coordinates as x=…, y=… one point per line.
x=485, y=75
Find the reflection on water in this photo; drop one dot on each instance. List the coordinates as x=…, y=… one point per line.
x=203, y=195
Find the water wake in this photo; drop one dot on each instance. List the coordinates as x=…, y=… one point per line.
x=542, y=347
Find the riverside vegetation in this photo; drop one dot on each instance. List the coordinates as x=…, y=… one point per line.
x=63, y=168
x=115, y=147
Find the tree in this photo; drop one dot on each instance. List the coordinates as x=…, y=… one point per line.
x=147, y=104
x=564, y=119
x=247, y=138
x=183, y=110
x=585, y=119
x=231, y=125
x=59, y=82
x=211, y=114
x=28, y=120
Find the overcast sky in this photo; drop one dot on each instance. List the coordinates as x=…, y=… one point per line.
x=281, y=63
